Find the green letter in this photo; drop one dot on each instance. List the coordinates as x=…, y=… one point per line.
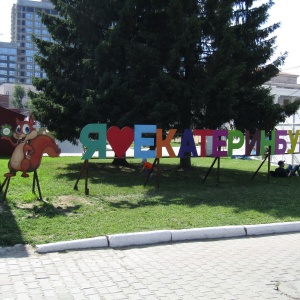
x=98, y=142
x=230, y=144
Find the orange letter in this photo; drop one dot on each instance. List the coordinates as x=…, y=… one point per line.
x=164, y=143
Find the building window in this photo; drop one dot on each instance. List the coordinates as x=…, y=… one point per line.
x=29, y=23
x=29, y=67
x=29, y=16
x=12, y=65
x=28, y=80
x=28, y=45
x=11, y=80
x=8, y=51
x=3, y=57
x=30, y=52
x=3, y=65
x=11, y=73
x=28, y=30
x=28, y=74
x=29, y=59
x=3, y=72
x=36, y=74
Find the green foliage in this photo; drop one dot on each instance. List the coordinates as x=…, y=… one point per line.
x=119, y=203
x=173, y=63
x=289, y=109
x=18, y=95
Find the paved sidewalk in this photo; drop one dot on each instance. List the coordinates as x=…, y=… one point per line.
x=265, y=267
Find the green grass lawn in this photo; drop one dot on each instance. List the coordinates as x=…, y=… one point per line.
x=118, y=202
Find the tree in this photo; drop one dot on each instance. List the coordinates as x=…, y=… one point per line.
x=174, y=63
x=255, y=52
x=240, y=48
x=18, y=95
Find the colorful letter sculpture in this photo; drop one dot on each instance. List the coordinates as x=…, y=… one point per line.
x=223, y=141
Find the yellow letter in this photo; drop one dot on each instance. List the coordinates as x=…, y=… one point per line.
x=294, y=139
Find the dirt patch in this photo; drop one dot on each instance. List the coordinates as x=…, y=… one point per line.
x=61, y=202
x=65, y=201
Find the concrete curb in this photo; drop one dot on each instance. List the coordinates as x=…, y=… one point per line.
x=98, y=242
x=167, y=236
x=272, y=228
x=207, y=233
x=139, y=238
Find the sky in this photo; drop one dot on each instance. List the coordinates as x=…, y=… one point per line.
x=284, y=11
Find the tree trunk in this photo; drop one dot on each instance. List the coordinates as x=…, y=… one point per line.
x=185, y=162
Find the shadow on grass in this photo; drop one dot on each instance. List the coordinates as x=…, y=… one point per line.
x=123, y=176
x=45, y=209
x=103, y=173
x=118, y=197
x=106, y=173
x=10, y=233
x=236, y=189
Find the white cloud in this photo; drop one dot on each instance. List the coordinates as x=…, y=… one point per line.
x=5, y=17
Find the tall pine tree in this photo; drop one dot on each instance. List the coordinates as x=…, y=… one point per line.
x=174, y=63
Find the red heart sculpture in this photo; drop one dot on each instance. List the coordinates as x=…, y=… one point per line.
x=120, y=140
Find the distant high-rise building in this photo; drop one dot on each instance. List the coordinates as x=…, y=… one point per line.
x=8, y=58
x=26, y=22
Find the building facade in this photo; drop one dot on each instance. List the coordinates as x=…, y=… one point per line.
x=285, y=89
x=7, y=89
x=26, y=22
x=8, y=62
x=17, y=63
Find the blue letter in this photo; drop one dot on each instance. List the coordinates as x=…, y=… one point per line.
x=187, y=144
x=140, y=141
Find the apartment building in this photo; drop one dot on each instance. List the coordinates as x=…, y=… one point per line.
x=26, y=22
x=8, y=62
x=17, y=63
